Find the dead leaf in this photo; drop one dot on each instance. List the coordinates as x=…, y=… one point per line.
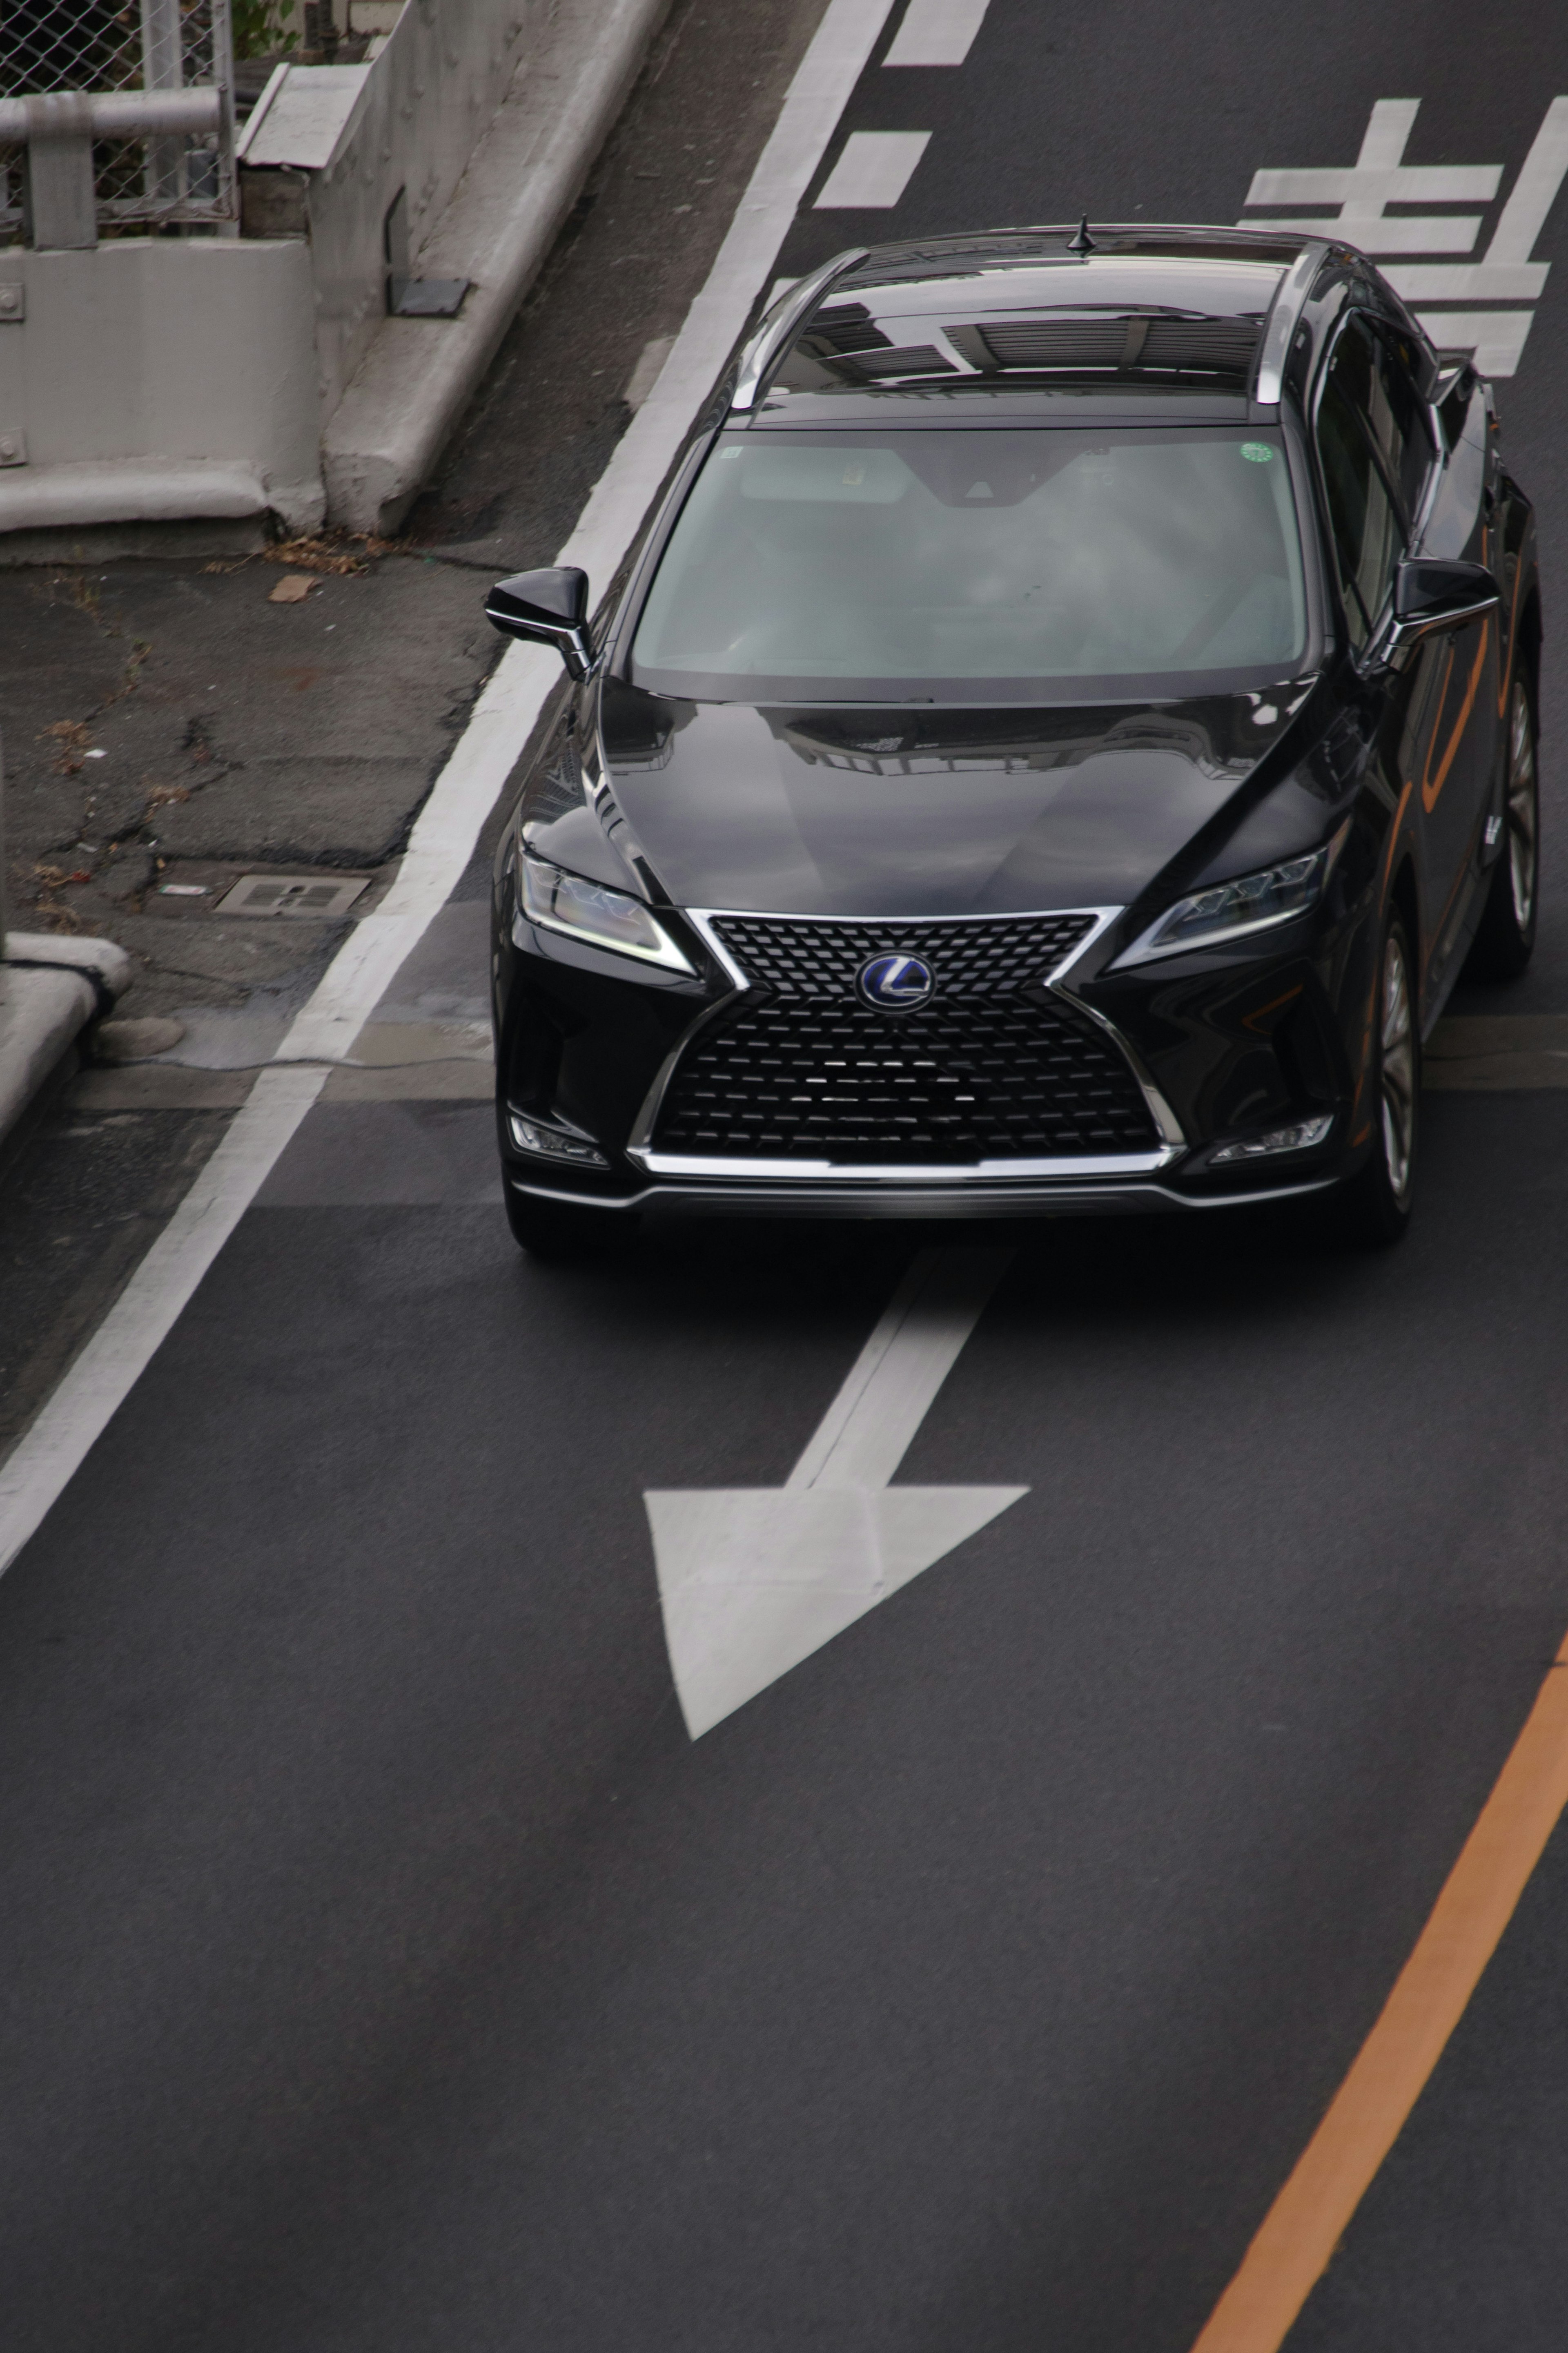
x=73, y=737
x=292, y=589
x=327, y=552
x=162, y=794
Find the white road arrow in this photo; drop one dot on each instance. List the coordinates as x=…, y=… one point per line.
x=753, y=1579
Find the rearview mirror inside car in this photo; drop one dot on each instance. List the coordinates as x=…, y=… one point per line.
x=548, y=607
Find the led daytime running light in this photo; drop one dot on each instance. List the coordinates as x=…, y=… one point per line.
x=553, y=1142
x=559, y=901
x=1229, y=911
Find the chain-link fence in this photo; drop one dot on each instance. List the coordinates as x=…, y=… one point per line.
x=49, y=45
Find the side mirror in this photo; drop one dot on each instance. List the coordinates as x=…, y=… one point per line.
x=1451, y=371
x=1432, y=593
x=549, y=609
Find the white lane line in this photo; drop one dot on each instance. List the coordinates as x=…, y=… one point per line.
x=936, y=32
x=752, y=1580
x=112, y=1360
x=873, y=172
x=463, y=795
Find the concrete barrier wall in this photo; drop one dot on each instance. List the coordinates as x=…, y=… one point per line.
x=426, y=102
x=157, y=378
x=201, y=378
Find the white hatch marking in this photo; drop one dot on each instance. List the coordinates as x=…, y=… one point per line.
x=936, y=32
x=873, y=172
x=1380, y=176
x=753, y=1579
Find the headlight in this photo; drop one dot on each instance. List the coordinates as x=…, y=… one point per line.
x=1251, y=904
x=559, y=901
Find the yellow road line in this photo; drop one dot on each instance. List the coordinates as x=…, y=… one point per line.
x=1308, y=2218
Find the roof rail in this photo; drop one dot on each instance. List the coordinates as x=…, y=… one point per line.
x=779, y=327
x=1289, y=301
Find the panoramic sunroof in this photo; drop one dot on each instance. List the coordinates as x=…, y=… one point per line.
x=845, y=347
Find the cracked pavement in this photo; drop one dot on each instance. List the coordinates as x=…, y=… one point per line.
x=164, y=721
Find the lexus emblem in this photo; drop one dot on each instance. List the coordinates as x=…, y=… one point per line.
x=895, y=983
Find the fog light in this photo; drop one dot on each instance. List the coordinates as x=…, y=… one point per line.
x=1305, y=1132
x=553, y=1142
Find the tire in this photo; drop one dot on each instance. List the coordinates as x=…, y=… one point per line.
x=1505, y=938
x=1375, y=1204
x=555, y=1229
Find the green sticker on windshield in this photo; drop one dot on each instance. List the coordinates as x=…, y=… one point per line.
x=1258, y=452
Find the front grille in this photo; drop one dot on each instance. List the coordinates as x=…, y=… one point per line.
x=991, y=1067
x=807, y=959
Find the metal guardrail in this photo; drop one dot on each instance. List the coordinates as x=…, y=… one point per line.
x=147, y=167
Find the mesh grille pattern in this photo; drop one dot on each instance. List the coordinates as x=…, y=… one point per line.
x=805, y=959
x=800, y=1068
x=49, y=46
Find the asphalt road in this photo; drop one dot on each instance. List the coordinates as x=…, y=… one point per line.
x=385, y=1969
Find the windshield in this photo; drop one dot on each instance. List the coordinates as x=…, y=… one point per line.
x=892, y=565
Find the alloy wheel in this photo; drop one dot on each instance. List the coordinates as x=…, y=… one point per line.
x=1522, y=806
x=1398, y=1069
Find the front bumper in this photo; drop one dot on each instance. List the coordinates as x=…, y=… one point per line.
x=1221, y=1046
x=972, y=1196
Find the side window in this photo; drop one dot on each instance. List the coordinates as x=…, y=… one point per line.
x=1367, y=535
x=1398, y=419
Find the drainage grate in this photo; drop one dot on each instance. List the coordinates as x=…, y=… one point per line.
x=291, y=894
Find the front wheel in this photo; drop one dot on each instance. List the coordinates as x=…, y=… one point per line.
x=1377, y=1201
x=1505, y=936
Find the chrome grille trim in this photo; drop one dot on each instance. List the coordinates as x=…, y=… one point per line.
x=922, y=1172
x=1101, y=919
x=721, y=1167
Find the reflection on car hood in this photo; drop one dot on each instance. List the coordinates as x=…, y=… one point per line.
x=867, y=811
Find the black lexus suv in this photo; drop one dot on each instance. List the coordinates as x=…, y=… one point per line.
x=1055, y=747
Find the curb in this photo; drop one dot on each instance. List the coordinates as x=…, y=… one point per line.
x=50, y=988
x=523, y=180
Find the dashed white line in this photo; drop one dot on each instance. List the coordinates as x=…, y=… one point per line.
x=873, y=172
x=936, y=32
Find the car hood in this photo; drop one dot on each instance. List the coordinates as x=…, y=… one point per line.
x=873, y=811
